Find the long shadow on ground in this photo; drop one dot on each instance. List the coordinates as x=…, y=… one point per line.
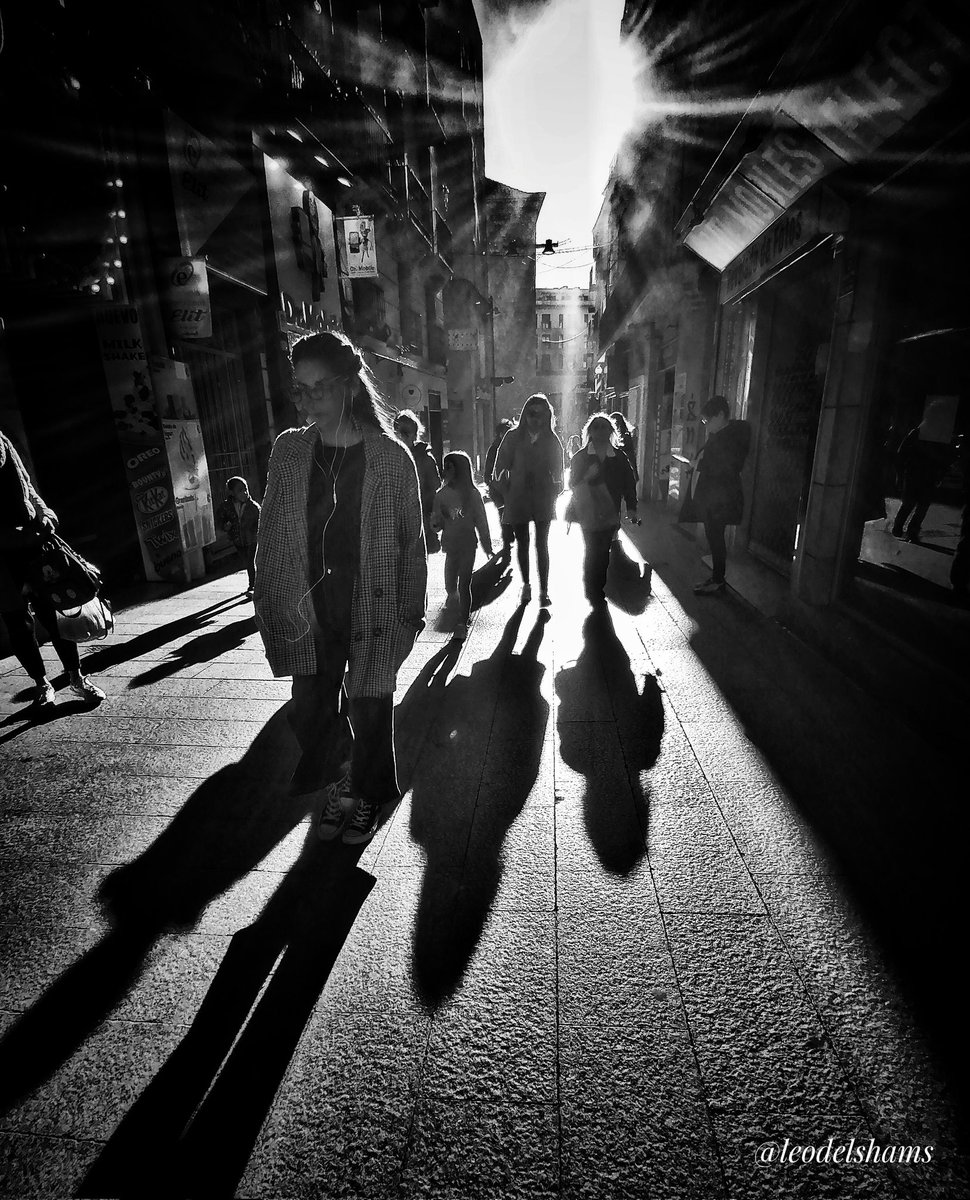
x=462, y=809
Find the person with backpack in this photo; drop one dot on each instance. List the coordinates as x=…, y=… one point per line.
x=459, y=515
x=24, y=521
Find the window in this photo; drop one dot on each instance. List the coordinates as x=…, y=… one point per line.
x=561, y=319
x=546, y=321
x=545, y=367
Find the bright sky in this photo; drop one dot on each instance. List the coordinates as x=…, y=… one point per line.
x=558, y=97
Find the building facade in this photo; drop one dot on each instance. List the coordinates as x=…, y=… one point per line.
x=809, y=268
x=239, y=177
x=564, y=347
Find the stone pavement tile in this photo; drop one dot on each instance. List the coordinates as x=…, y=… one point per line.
x=751, y=1133
x=773, y=834
x=73, y=837
x=240, y=904
x=32, y=957
x=524, y=772
x=908, y=1103
x=481, y=1151
x=43, y=1166
x=516, y=863
x=848, y=978
x=107, y=728
x=436, y=832
x=92, y=760
x=756, y=1032
x=697, y=866
x=220, y=670
x=90, y=1093
x=110, y=794
x=213, y=689
x=52, y=893
x=724, y=751
x=341, y=1120
x=148, y=702
x=134, y=668
x=634, y=1122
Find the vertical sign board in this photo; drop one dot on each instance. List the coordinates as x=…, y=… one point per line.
x=142, y=442
x=186, y=452
x=358, y=248
x=185, y=301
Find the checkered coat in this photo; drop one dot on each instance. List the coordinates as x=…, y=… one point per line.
x=389, y=592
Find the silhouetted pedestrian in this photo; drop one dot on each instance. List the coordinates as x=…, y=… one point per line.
x=238, y=516
x=408, y=427
x=714, y=493
x=459, y=515
x=529, y=470
x=628, y=441
x=601, y=479
x=495, y=493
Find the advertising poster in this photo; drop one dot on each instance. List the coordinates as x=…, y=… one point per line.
x=186, y=308
x=141, y=439
x=359, y=250
x=185, y=449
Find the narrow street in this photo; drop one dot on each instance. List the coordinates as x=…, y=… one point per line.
x=664, y=887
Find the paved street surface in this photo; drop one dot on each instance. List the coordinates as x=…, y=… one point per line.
x=664, y=886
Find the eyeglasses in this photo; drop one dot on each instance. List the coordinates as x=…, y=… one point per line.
x=300, y=391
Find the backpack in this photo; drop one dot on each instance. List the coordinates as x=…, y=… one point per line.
x=62, y=575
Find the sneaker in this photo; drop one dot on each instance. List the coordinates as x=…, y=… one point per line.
x=43, y=696
x=335, y=810
x=526, y=593
x=83, y=687
x=249, y=593
x=709, y=587
x=544, y=600
x=364, y=824
x=461, y=632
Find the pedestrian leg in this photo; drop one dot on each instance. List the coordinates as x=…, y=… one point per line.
x=522, y=550
x=542, y=557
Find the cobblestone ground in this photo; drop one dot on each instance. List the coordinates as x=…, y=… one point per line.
x=664, y=888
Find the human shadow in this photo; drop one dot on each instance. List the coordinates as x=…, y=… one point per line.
x=113, y=652
x=16, y=723
x=204, y=648
x=628, y=580
x=224, y=830
x=193, y=1129
x=490, y=581
x=610, y=729
x=486, y=746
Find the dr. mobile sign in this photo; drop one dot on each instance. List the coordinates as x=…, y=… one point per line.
x=357, y=247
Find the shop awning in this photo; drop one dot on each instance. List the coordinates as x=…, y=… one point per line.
x=824, y=126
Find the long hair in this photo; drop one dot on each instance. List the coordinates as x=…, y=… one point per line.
x=540, y=400
x=335, y=352
x=615, y=440
x=623, y=426
x=462, y=465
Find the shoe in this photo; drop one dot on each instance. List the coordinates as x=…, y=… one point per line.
x=461, y=632
x=364, y=824
x=249, y=593
x=544, y=600
x=709, y=587
x=335, y=810
x=43, y=696
x=83, y=687
x=526, y=593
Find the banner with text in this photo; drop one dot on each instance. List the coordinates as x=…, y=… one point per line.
x=358, y=248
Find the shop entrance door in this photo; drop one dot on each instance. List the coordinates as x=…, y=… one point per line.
x=787, y=423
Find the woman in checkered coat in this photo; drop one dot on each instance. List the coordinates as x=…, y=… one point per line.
x=341, y=573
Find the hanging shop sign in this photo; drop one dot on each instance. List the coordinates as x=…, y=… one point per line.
x=814, y=216
x=186, y=308
x=141, y=439
x=825, y=126
x=185, y=448
x=207, y=183
x=304, y=250
x=357, y=247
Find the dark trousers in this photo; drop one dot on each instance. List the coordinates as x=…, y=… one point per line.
x=919, y=508
x=542, y=551
x=248, y=555
x=714, y=532
x=334, y=730
x=960, y=568
x=596, y=561
x=20, y=625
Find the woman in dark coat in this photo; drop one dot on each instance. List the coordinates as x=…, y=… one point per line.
x=601, y=461
x=714, y=493
x=409, y=429
x=340, y=582
x=628, y=440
